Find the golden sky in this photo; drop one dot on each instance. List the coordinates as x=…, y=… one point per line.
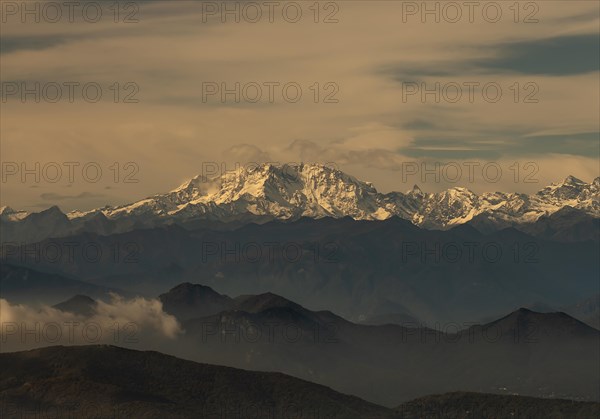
x=160, y=118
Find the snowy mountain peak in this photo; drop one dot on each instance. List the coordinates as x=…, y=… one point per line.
x=283, y=192
x=416, y=191
x=6, y=210
x=459, y=191
x=568, y=190
x=569, y=182
x=292, y=191
x=9, y=214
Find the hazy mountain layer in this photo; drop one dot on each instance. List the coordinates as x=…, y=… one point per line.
x=527, y=353
x=357, y=269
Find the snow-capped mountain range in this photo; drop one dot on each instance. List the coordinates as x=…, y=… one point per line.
x=289, y=192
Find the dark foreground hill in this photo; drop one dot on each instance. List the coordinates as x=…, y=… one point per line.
x=107, y=381
x=111, y=382
x=463, y=405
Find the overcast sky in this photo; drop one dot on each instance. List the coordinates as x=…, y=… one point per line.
x=364, y=62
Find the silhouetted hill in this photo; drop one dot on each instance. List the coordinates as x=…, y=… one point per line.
x=79, y=304
x=257, y=303
x=117, y=382
x=153, y=385
x=525, y=322
x=186, y=301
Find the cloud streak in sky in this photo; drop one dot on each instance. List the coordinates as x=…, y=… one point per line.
x=369, y=54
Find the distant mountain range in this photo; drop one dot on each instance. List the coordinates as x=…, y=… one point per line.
x=268, y=192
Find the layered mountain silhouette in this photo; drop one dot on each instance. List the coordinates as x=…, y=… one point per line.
x=191, y=301
x=187, y=301
x=586, y=311
x=81, y=305
x=358, y=269
x=525, y=352
x=269, y=192
x=22, y=284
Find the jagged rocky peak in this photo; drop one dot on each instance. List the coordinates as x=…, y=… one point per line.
x=309, y=175
x=9, y=214
x=264, y=178
x=572, y=180
x=458, y=193
x=416, y=191
x=569, y=189
x=286, y=191
x=568, y=182
x=52, y=214
x=292, y=191
x=53, y=210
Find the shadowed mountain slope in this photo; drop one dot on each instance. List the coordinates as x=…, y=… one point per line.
x=154, y=385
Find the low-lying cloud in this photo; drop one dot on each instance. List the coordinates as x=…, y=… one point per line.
x=137, y=323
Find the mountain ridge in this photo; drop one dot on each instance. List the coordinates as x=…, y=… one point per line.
x=275, y=334
x=290, y=192
x=133, y=383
